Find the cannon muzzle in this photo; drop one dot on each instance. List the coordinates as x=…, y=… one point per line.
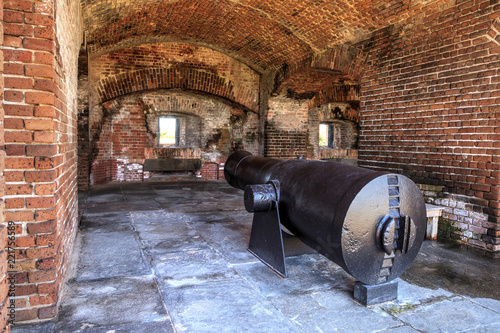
x=370, y=223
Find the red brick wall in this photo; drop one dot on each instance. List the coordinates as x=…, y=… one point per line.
x=83, y=122
x=170, y=66
x=128, y=134
x=286, y=128
x=40, y=143
x=4, y=285
x=430, y=101
x=121, y=143
x=225, y=99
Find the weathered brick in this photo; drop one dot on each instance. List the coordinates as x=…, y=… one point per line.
x=18, y=136
x=40, y=176
x=14, y=203
x=44, y=163
x=42, y=276
x=15, y=150
x=14, y=176
x=14, y=95
x=19, y=5
x=46, y=240
x=39, y=124
x=13, y=41
x=41, y=150
x=47, y=312
x=47, y=288
x=45, y=264
x=24, y=290
x=19, y=163
x=25, y=241
x=44, y=137
x=13, y=17
x=40, y=253
x=43, y=71
x=23, y=189
x=44, y=32
x=26, y=314
x=45, y=111
x=13, y=68
x=42, y=300
x=40, y=98
x=40, y=202
x=18, y=55
x=44, y=58
x=38, y=19
x=44, y=84
x=38, y=44
x=18, y=110
x=13, y=123
x=45, y=215
x=41, y=227
x=18, y=29
x=18, y=83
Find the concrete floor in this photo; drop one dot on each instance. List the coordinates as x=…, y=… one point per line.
x=171, y=257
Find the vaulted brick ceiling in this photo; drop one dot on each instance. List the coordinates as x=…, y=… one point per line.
x=261, y=33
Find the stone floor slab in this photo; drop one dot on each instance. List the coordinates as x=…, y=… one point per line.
x=115, y=301
x=46, y=327
x=401, y=329
x=191, y=266
x=158, y=247
x=412, y=294
x=164, y=230
x=306, y=273
x=121, y=206
x=148, y=327
x=332, y=311
x=489, y=303
x=227, y=306
x=452, y=315
x=228, y=238
x=110, y=254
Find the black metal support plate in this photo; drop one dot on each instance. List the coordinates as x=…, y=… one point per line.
x=266, y=242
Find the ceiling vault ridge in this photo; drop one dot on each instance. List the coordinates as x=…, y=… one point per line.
x=136, y=41
x=279, y=22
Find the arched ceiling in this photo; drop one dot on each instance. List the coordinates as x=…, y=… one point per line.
x=260, y=33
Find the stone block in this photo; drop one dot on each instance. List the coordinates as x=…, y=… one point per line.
x=375, y=294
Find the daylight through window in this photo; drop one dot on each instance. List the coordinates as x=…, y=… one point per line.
x=326, y=135
x=168, y=128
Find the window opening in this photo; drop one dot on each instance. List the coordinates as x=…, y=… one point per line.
x=326, y=135
x=168, y=128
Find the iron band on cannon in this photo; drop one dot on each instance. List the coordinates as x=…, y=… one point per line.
x=370, y=223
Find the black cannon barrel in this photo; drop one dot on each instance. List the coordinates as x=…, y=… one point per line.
x=370, y=223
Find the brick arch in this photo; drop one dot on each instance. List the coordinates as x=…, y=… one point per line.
x=178, y=77
x=346, y=59
x=319, y=71
x=335, y=93
x=337, y=111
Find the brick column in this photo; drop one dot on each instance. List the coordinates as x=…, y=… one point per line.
x=4, y=300
x=287, y=128
x=40, y=163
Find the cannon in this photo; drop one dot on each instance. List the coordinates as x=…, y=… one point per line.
x=370, y=223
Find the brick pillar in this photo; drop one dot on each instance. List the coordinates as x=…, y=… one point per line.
x=4, y=286
x=40, y=162
x=83, y=122
x=287, y=128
